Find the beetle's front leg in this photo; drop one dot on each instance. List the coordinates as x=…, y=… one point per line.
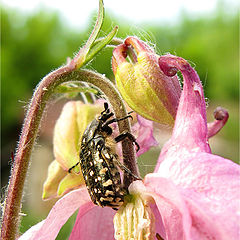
x=128, y=135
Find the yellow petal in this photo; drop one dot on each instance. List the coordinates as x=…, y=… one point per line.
x=66, y=137
x=68, y=132
x=54, y=177
x=70, y=182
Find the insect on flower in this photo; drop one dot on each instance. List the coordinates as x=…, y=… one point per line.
x=99, y=161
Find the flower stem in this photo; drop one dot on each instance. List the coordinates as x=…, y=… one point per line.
x=22, y=156
x=30, y=129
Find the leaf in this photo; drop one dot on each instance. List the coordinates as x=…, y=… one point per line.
x=100, y=44
x=81, y=56
x=93, y=46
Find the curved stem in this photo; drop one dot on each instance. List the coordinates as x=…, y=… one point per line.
x=30, y=129
x=22, y=157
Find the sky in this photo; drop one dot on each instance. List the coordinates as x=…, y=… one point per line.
x=78, y=12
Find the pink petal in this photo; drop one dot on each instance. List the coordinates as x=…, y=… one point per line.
x=208, y=184
x=173, y=210
x=190, y=130
x=59, y=214
x=211, y=187
x=221, y=116
x=95, y=224
x=209, y=225
x=143, y=131
x=30, y=233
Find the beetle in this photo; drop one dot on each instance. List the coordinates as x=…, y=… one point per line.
x=99, y=162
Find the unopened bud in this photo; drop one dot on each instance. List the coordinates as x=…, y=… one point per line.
x=142, y=84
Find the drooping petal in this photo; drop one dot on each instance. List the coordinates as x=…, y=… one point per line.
x=59, y=214
x=190, y=129
x=211, y=186
x=143, y=132
x=94, y=224
x=54, y=177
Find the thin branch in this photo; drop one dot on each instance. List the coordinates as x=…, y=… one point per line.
x=23, y=152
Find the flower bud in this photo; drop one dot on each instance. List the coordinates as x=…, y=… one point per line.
x=142, y=84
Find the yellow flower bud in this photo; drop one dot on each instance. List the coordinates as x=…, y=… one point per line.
x=142, y=84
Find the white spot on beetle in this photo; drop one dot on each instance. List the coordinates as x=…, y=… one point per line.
x=108, y=199
x=107, y=183
x=107, y=155
x=103, y=170
x=109, y=193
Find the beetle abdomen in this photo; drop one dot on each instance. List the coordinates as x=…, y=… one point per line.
x=101, y=174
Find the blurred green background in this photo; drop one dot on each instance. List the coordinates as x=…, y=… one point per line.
x=34, y=44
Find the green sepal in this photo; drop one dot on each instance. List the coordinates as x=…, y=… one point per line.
x=93, y=46
x=100, y=44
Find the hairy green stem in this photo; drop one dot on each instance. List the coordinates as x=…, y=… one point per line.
x=23, y=152
x=30, y=129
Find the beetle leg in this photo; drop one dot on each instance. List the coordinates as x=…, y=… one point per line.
x=117, y=120
x=106, y=109
x=70, y=169
x=128, y=135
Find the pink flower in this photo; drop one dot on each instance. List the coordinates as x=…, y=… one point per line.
x=208, y=184
x=92, y=221
x=192, y=194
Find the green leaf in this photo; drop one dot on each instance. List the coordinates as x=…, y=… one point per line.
x=100, y=45
x=81, y=56
x=94, y=45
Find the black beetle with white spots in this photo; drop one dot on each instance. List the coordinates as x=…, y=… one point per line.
x=99, y=162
